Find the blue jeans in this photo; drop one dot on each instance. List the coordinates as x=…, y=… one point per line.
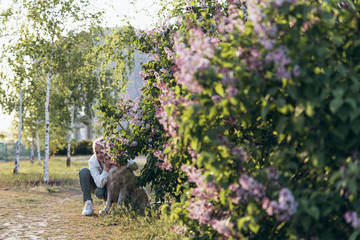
x=88, y=186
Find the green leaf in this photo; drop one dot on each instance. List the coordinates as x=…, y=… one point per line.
x=299, y=123
x=241, y=222
x=335, y=104
x=309, y=110
x=351, y=185
x=338, y=93
x=219, y=89
x=253, y=226
x=355, y=126
x=354, y=235
x=280, y=102
x=317, y=160
x=314, y=212
x=223, y=197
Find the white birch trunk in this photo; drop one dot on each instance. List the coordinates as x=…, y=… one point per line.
x=18, y=145
x=68, y=160
x=38, y=146
x=32, y=150
x=47, y=131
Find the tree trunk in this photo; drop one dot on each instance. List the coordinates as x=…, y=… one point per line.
x=47, y=131
x=18, y=145
x=32, y=150
x=68, y=159
x=38, y=146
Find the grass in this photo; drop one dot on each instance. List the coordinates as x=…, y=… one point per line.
x=34, y=172
x=29, y=203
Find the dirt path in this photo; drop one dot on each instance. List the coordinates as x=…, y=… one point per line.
x=49, y=213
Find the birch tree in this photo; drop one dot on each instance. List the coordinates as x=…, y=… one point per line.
x=44, y=24
x=14, y=101
x=80, y=80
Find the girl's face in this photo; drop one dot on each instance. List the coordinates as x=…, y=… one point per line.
x=99, y=155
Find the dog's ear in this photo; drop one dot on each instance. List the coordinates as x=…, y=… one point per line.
x=132, y=165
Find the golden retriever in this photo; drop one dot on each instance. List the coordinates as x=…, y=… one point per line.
x=121, y=188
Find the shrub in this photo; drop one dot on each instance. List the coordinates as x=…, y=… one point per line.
x=254, y=112
x=83, y=147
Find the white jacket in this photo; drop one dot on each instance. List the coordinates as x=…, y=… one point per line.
x=97, y=171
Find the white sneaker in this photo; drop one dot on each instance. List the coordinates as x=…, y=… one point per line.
x=88, y=208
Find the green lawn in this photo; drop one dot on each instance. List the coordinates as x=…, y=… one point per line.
x=30, y=173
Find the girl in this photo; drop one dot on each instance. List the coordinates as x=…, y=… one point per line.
x=93, y=179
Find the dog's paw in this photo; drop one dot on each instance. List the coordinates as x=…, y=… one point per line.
x=103, y=212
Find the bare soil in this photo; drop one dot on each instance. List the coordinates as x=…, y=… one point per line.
x=50, y=212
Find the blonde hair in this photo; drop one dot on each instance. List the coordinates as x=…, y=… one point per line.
x=98, y=142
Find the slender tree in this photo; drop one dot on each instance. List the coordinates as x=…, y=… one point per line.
x=43, y=26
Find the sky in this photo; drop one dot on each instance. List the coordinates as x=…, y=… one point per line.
x=141, y=14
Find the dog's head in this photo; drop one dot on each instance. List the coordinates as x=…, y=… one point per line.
x=132, y=165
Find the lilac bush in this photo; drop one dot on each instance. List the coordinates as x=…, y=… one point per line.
x=249, y=118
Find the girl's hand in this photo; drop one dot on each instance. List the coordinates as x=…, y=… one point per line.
x=108, y=164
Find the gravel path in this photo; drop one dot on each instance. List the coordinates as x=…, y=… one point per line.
x=48, y=213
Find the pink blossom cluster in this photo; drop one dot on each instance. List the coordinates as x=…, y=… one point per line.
x=222, y=226
x=169, y=53
x=273, y=175
x=164, y=164
x=193, y=58
x=267, y=32
x=144, y=75
x=124, y=141
x=284, y=208
x=203, y=190
x=247, y=188
x=194, y=175
x=194, y=155
x=200, y=210
x=228, y=23
x=351, y=218
x=239, y=153
x=279, y=3
x=167, y=98
x=200, y=207
x=130, y=110
x=279, y=57
x=252, y=58
x=181, y=230
x=98, y=123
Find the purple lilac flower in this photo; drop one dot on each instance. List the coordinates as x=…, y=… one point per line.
x=192, y=59
x=98, y=123
x=133, y=144
x=230, y=22
x=216, y=98
x=194, y=175
x=247, y=187
x=200, y=210
x=279, y=3
x=232, y=92
x=280, y=59
x=351, y=218
x=240, y=154
x=179, y=229
x=144, y=75
x=193, y=153
x=296, y=70
x=221, y=226
x=284, y=208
